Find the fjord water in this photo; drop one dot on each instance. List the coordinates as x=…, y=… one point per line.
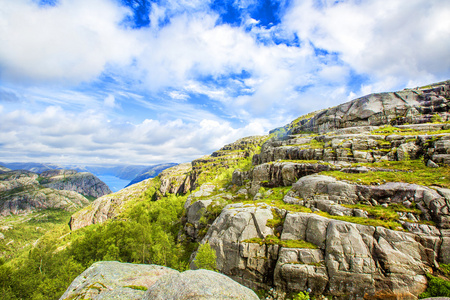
x=114, y=183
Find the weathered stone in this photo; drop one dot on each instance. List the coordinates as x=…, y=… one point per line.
x=114, y=280
x=199, y=284
x=84, y=183
x=407, y=151
x=108, y=206
x=22, y=193
x=319, y=186
x=432, y=164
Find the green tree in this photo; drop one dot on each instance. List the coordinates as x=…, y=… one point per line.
x=206, y=257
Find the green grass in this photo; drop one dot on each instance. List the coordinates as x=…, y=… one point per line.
x=364, y=221
x=273, y=240
x=137, y=287
x=409, y=171
x=385, y=213
x=388, y=130
x=26, y=229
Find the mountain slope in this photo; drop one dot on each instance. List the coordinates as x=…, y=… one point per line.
x=24, y=191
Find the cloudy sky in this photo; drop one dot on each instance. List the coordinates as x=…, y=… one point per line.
x=145, y=82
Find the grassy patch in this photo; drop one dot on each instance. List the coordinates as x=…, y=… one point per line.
x=388, y=130
x=410, y=171
x=26, y=229
x=364, y=221
x=137, y=287
x=437, y=287
x=273, y=240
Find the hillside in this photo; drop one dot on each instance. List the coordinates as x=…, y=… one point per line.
x=32, y=203
x=350, y=202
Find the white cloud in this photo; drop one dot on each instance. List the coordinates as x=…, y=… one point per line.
x=70, y=42
x=58, y=136
x=110, y=101
x=396, y=39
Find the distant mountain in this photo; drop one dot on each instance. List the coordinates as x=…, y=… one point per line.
x=4, y=169
x=125, y=172
x=31, y=166
x=25, y=191
x=151, y=172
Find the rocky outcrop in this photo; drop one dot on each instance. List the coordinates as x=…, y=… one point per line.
x=199, y=284
x=413, y=106
x=20, y=192
x=83, y=183
x=109, y=206
x=350, y=261
x=114, y=280
x=176, y=180
x=370, y=144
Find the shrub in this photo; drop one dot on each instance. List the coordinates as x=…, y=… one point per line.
x=206, y=257
x=301, y=296
x=437, y=287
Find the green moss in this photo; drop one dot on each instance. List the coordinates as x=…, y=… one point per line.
x=409, y=171
x=388, y=130
x=363, y=221
x=437, y=287
x=273, y=240
x=137, y=287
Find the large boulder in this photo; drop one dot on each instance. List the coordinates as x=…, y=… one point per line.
x=198, y=284
x=115, y=280
x=123, y=281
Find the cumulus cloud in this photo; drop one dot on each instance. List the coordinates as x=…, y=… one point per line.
x=110, y=101
x=70, y=42
x=56, y=135
x=394, y=42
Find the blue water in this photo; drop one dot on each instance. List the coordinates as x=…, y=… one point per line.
x=115, y=183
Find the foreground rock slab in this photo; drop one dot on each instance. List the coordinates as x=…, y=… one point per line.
x=198, y=284
x=124, y=281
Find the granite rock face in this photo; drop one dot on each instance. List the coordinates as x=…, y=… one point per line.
x=349, y=261
x=408, y=106
x=114, y=280
x=198, y=284
x=108, y=206
x=21, y=192
x=83, y=183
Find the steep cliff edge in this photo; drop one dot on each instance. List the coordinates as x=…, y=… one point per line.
x=24, y=191
x=413, y=106
x=83, y=183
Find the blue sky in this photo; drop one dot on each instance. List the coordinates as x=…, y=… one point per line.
x=145, y=82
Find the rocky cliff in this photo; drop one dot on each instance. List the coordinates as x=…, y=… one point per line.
x=351, y=202
x=372, y=226
x=83, y=183
x=24, y=191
